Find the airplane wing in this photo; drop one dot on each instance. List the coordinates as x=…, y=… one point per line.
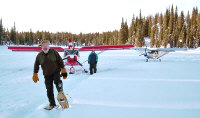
x=106, y=47
x=60, y=49
x=156, y=52
x=141, y=50
x=171, y=49
x=32, y=48
x=163, y=49
x=158, y=49
x=161, y=53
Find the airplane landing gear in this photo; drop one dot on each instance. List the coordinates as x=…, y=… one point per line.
x=72, y=70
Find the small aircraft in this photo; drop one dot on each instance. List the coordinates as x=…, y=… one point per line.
x=155, y=53
x=71, y=54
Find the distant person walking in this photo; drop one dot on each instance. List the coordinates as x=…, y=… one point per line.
x=92, y=60
x=52, y=64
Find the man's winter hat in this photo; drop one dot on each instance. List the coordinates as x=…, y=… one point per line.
x=44, y=42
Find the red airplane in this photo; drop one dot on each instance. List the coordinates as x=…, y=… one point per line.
x=71, y=54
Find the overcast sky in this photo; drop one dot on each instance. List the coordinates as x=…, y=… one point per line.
x=84, y=16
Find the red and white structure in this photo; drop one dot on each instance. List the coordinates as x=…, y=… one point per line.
x=71, y=54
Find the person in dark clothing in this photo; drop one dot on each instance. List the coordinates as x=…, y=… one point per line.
x=51, y=64
x=92, y=60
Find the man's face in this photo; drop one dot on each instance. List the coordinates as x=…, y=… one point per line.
x=92, y=51
x=45, y=48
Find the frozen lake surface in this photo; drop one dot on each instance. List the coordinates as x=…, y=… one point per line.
x=125, y=86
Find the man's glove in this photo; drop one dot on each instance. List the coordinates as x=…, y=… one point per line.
x=95, y=62
x=63, y=73
x=35, y=77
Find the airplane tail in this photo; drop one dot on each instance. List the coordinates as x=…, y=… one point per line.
x=70, y=43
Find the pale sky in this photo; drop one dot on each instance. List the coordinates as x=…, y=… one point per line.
x=84, y=16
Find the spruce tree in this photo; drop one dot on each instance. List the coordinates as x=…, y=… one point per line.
x=176, y=35
x=176, y=16
x=31, y=37
x=26, y=37
x=152, y=38
x=155, y=30
x=13, y=35
x=171, y=21
x=116, y=35
x=197, y=38
x=157, y=42
x=161, y=31
x=194, y=26
x=123, y=32
x=146, y=27
x=188, y=31
x=181, y=20
x=166, y=38
x=182, y=37
x=166, y=19
x=165, y=28
x=198, y=30
x=139, y=38
x=155, y=21
x=139, y=34
x=132, y=31
x=17, y=38
x=7, y=36
x=161, y=36
x=39, y=37
x=171, y=26
x=1, y=32
x=150, y=25
x=161, y=20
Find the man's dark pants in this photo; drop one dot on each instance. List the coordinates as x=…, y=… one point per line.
x=49, y=86
x=93, y=67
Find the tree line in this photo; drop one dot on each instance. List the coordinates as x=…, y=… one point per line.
x=167, y=30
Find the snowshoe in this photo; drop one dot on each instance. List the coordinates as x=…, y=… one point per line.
x=62, y=99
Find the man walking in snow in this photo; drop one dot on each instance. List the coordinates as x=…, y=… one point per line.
x=51, y=64
x=92, y=60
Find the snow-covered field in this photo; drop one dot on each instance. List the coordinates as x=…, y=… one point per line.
x=125, y=86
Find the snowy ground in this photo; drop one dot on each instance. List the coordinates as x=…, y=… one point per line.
x=125, y=87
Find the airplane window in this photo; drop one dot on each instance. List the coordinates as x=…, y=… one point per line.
x=71, y=52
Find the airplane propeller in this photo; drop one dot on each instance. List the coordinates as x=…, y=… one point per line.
x=66, y=58
x=145, y=51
